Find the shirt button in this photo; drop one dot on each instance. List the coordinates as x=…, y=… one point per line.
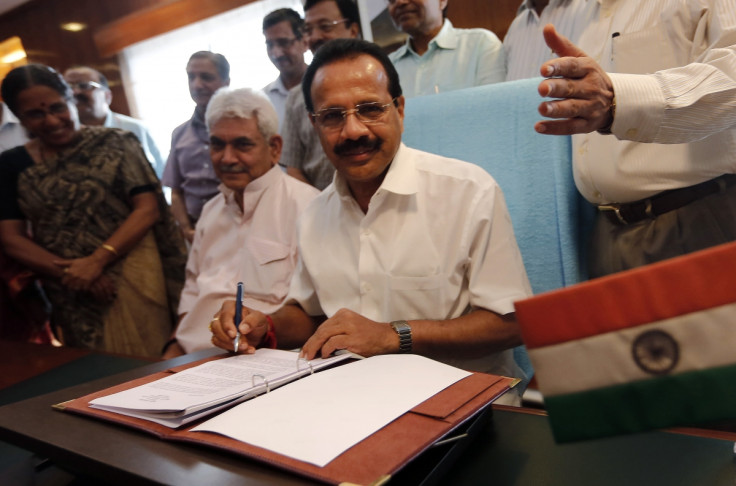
x=597, y=195
x=365, y=288
x=631, y=132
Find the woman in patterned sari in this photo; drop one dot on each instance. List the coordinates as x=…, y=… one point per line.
x=103, y=238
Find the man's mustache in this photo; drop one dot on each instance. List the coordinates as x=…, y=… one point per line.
x=233, y=169
x=362, y=144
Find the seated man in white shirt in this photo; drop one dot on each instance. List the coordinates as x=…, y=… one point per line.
x=92, y=96
x=406, y=252
x=247, y=233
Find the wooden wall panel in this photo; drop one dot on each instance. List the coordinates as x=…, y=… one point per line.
x=494, y=15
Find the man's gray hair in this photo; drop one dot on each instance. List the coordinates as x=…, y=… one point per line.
x=243, y=103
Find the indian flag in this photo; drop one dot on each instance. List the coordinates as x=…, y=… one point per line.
x=648, y=348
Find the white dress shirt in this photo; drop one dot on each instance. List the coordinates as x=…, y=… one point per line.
x=138, y=128
x=277, y=93
x=256, y=247
x=12, y=132
x=436, y=243
x=524, y=43
x=678, y=90
x=456, y=59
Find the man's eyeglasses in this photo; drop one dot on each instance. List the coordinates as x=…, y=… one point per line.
x=85, y=85
x=368, y=113
x=60, y=108
x=325, y=26
x=280, y=43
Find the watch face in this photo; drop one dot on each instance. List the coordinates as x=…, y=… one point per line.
x=656, y=352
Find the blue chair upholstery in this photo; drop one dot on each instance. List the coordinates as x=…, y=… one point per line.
x=493, y=126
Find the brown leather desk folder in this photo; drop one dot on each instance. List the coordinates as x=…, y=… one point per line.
x=371, y=461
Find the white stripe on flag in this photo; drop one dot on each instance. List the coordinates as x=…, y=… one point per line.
x=706, y=340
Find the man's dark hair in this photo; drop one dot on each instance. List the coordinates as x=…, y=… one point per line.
x=24, y=77
x=348, y=9
x=339, y=49
x=221, y=64
x=285, y=15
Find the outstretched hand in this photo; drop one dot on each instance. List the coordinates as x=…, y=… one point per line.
x=583, y=90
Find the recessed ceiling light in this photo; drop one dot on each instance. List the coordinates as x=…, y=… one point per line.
x=73, y=26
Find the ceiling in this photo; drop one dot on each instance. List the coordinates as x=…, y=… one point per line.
x=6, y=5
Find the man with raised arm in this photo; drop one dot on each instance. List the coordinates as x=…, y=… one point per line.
x=650, y=94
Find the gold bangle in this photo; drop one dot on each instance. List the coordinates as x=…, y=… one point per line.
x=110, y=248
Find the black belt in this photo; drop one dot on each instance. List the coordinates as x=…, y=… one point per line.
x=628, y=213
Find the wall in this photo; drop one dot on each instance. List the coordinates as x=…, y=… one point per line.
x=37, y=24
x=494, y=15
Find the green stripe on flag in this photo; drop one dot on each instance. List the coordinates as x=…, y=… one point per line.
x=682, y=399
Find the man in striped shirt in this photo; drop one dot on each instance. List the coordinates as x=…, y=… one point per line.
x=650, y=93
x=524, y=44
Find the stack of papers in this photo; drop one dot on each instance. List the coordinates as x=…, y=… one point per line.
x=196, y=392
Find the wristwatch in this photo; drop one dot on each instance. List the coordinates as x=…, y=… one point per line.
x=403, y=329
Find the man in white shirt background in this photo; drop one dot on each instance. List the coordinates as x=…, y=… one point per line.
x=285, y=45
x=524, y=44
x=650, y=93
x=437, y=57
x=92, y=96
x=247, y=233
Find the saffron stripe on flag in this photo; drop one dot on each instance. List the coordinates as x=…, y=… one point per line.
x=687, y=398
x=659, y=291
x=705, y=339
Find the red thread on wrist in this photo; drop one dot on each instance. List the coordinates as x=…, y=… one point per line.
x=269, y=339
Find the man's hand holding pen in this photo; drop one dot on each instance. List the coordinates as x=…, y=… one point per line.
x=253, y=328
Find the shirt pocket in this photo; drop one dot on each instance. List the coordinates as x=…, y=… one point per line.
x=416, y=297
x=644, y=52
x=270, y=281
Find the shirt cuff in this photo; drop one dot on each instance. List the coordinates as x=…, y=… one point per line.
x=640, y=106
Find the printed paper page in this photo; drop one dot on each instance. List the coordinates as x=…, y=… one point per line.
x=210, y=383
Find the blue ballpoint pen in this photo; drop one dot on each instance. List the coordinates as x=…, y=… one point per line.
x=238, y=315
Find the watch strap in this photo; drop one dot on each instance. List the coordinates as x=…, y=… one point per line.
x=403, y=329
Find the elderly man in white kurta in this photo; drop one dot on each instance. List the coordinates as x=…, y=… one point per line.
x=247, y=233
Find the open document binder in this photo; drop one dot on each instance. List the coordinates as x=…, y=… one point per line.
x=373, y=459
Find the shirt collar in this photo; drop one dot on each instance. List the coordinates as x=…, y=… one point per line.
x=400, y=178
x=527, y=5
x=8, y=117
x=278, y=86
x=445, y=39
x=108, y=119
x=197, y=121
x=253, y=191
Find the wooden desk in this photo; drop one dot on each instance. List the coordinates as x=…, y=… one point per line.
x=516, y=448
